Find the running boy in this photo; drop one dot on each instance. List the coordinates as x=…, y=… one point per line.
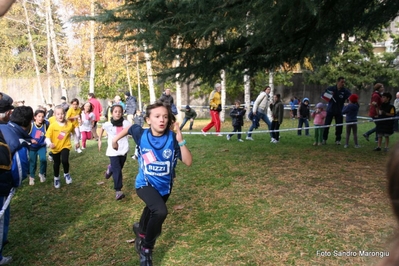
x=58, y=138
x=159, y=149
x=117, y=157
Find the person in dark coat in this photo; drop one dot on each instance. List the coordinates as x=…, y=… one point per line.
x=237, y=114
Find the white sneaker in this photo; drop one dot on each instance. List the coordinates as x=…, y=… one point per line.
x=57, y=183
x=50, y=158
x=31, y=183
x=228, y=137
x=42, y=178
x=83, y=148
x=240, y=140
x=5, y=260
x=249, y=138
x=272, y=140
x=68, y=178
x=203, y=132
x=219, y=135
x=78, y=150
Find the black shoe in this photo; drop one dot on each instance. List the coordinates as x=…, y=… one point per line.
x=366, y=136
x=145, y=257
x=377, y=149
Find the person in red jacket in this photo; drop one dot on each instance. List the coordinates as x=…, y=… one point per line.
x=97, y=110
x=375, y=103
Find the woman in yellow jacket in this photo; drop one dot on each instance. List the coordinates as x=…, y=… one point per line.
x=215, y=106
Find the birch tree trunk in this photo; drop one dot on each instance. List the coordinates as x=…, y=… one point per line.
x=92, y=51
x=48, y=8
x=247, y=94
x=271, y=84
x=32, y=47
x=55, y=53
x=149, y=74
x=178, y=84
x=223, y=83
x=138, y=84
x=127, y=71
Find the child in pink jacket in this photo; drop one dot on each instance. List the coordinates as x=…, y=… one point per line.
x=318, y=120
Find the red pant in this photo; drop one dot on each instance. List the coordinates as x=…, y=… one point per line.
x=214, y=122
x=85, y=136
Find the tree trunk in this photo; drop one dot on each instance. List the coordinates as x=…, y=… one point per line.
x=92, y=51
x=138, y=84
x=223, y=77
x=55, y=53
x=247, y=94
x=32, y=47
x=48, y=14
x=149, y=75
x=127, y=70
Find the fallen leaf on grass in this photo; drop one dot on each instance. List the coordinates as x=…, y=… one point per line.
x=100, y=183
x=130, y=240
x=178, y=207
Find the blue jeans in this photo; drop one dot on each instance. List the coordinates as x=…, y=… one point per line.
x=117, y=163
x=184, y=123
x=261, y=116
x=302, y=121
x=371, y=131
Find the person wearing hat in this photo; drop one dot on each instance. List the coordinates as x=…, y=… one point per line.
x=131, y=106
x=303, y=116
x=5, y=111
x=339, y=94
x=189, y=114
x=351, y=110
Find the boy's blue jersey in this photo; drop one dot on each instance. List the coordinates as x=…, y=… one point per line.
x=39, y=134
x=157, y=159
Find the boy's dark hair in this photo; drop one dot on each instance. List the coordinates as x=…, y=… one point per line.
x=171, y=117
x=237, y=101
x=22, y=116
x=388, y=95
x=278, y=95
x=340, y=78
x=75, y=100
x=39, y=111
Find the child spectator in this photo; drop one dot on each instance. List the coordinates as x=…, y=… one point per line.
x=278, y=114
x=159, y=149
x=351, y=111
x=237, y=115
x=117, y=157
x=385, y=127
x=319, y=115
x=73, y=115
x=303, y=116
x=58, y=138
x=189, y=114
x=87, y=120
x=38, y=148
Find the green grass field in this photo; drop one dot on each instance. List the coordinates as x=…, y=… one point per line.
x=250, y=203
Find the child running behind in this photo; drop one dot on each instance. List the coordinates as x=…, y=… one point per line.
x=73, y=115
x=38, y=148
x=117, y=157
x=351, y=110
x=58, y=138
x=87, y=120
x=319, y=115
x=237, y=115
x=159, y=149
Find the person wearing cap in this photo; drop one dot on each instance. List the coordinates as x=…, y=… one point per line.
x=64, y=104
x=303, y=116
x=334, y=109
x=318, y=121
x=189, y=114
x=15, y=132
x=351, y=110
x=215, y=104
x=375, y=103
x=5, y=111
x=131, y=106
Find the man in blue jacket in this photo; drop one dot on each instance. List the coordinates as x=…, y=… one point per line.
x=131, y=106
x=12, y=173
x=334, y=109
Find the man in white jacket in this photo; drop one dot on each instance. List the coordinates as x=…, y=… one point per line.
x=260, y=108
